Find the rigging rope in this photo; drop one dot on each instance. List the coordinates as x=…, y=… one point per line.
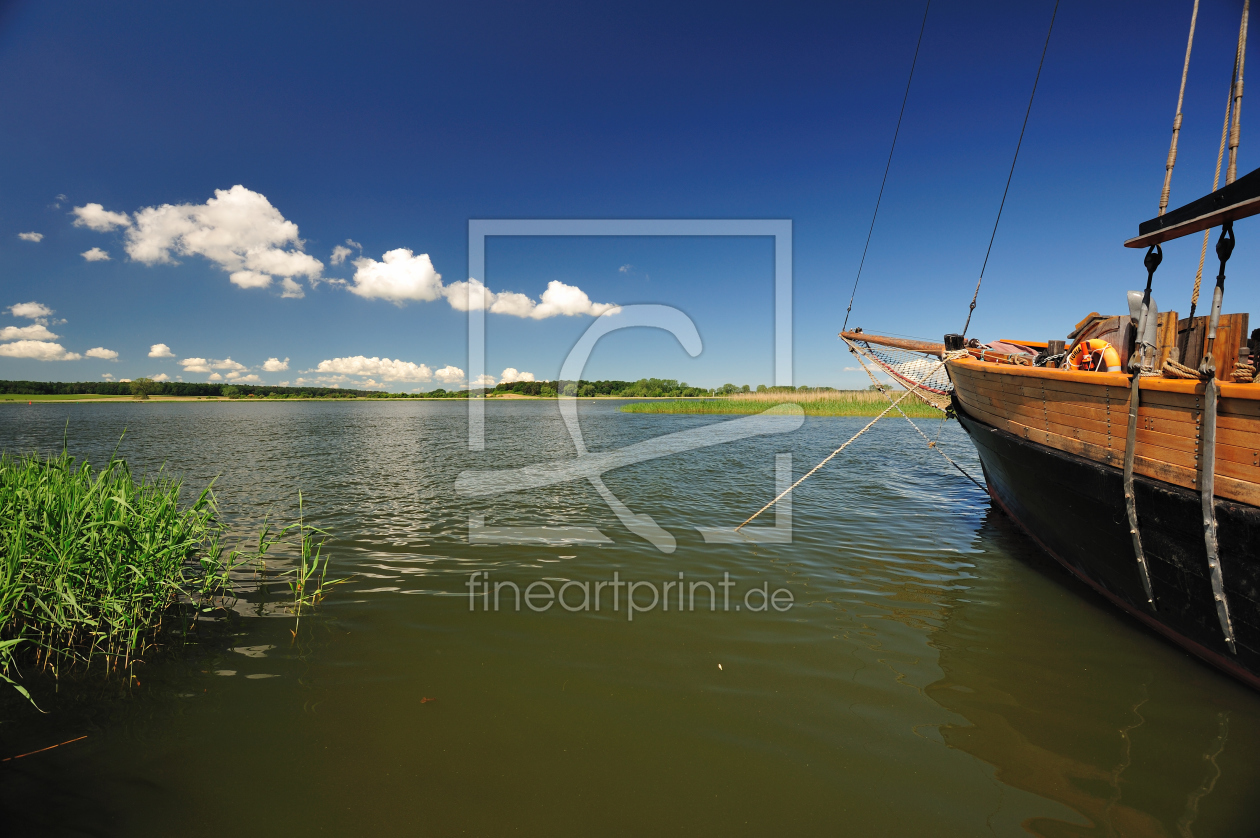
x=1181, y=94
x=1220, y=154
x=998, y=220
x=931, y=443
x=1216, y=180
x=888, y=165
x=1232, y=172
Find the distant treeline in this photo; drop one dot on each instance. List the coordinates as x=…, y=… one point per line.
x=643, y=388
x=189, y=388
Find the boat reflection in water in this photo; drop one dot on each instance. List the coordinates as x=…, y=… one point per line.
x=1107, y=732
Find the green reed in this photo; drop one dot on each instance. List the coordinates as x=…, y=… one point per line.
x=825, y=403
x=309, y=575
x=96, y=566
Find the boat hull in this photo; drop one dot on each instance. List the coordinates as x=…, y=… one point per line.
x=1073, y=507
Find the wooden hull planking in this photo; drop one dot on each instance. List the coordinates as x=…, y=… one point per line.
x=1052, y=444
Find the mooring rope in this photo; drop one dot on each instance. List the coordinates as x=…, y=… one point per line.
x=931, y=443
x=1011, y=174
x=888, y=165
x=948, y=356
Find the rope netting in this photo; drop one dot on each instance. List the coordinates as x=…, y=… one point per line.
x=913, y=369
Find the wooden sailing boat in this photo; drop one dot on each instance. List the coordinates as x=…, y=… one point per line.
x=1131, y=450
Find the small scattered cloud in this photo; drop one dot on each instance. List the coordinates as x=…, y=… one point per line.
x=102, y=353
x=482, y=381
x=38, y=350
x=31, y=310
x=108, y=376
x=31, y=237
x=625, y=269
x=275, y=365
x=96, y=217
x=389, y=370
x=512, y=375
x=203, y=365
x=95, y=255
x=237, y=378
x=161, y=377
x=340, y=252
x=290, y=290
x=214, y=376
x=37, y=331
x=160, y=350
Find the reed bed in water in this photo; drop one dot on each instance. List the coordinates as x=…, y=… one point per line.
x=814, y=403
x=92, y=564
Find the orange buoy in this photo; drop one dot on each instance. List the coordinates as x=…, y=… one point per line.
x=1095, y=355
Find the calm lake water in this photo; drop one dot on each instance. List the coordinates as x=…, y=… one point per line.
x=935, y=674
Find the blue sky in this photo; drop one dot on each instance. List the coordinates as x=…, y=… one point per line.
x=391, y=126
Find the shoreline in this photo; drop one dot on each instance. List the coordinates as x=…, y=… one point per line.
x=87, y=397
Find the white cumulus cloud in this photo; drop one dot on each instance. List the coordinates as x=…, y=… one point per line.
x=238, y=230
x=569, y=300
x=276, y=365
x=195, y=365
x=384, y=368
x=161, y=377
x=482, y=381
x=38, y=331
x=249, y=279
x=31, y=310
x=399, y=276
x=214, y=376
x=450, y=375
x=102, y=353
x=38, y=350
x=96, y=217
x=511, y=375
x=95, y=255
x=108, y=376
x=403, y=276
x=31, y=237
x=339, y=254
x=160, y=350
x=558, y=299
